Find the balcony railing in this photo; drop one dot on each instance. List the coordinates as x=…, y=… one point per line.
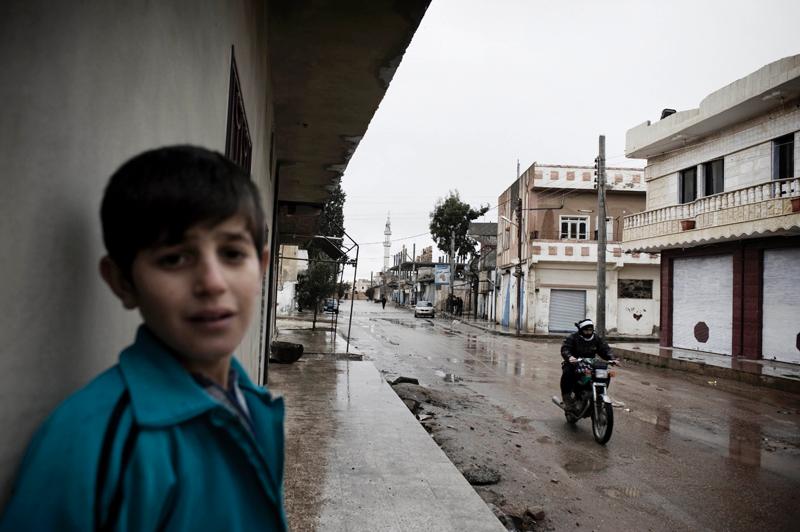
x=756, y=202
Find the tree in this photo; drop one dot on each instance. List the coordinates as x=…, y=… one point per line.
x=331, y=221
x=369, y=292
x=314, y=285
x=451, y=215
x=319, y=281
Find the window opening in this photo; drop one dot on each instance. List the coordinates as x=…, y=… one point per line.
x=688, y=185
x=635, y=288
x=714, y=177
x=783, y=157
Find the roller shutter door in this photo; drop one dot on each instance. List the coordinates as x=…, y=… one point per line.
x=566, y=308
x=780, y=333
x=702, y=299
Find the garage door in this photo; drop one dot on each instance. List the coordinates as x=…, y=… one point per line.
x=702, y=299
x=780, y=333
x=566, y=308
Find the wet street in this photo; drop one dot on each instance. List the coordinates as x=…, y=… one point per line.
x=687, y=452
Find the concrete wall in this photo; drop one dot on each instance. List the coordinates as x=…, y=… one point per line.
x=746, y=147
x=85, y=86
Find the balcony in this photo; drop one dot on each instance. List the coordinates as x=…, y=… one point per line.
x=771, y=208
x=585, y=251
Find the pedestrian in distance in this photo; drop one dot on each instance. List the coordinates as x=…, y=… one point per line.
x=175, y=436
x=383, y=302
x=583, y=343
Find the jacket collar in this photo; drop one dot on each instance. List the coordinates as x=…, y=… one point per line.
x=162, y=391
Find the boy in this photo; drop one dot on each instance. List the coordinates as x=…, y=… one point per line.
x=175, y=436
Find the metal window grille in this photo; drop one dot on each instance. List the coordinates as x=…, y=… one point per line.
x=238, y=146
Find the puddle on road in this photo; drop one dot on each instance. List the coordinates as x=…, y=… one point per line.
x=415, y=324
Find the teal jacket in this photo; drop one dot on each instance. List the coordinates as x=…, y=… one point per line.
x=143, y=447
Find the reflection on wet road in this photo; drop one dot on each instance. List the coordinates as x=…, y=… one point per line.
x=686, y=453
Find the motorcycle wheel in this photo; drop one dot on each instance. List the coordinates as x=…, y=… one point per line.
x=602, y=423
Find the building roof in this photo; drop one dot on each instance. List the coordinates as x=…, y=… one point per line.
x=478, y=229
x=331, y=64
x=755, y=94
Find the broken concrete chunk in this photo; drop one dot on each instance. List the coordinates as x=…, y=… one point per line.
x=408, y=380
x=481, y=475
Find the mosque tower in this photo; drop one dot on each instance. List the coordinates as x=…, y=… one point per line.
x=387, y=243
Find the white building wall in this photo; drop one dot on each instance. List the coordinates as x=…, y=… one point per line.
x=781, y=310
x=647, y=310
x=663, y=191
x=703, y=293
x=745, y=147
x=749, y=166
x=86, y=86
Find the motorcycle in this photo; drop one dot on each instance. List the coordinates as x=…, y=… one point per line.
x=591, y=397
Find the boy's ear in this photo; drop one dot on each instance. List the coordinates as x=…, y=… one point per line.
x=118, y=283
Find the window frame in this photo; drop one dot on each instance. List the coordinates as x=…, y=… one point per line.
x=710, y=179
x=777, y=143
x=577, y=219
x=682, y=198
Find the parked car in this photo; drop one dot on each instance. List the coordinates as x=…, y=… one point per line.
x=330, y=305
x=425, y=309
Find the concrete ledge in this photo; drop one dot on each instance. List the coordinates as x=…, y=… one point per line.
x=357, y=459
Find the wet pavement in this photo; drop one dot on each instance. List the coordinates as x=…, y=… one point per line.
x=356, y=458
x=688, y=452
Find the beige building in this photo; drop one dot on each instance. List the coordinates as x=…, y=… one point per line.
x=287, y=88
x=558, y=267
x=723, y=209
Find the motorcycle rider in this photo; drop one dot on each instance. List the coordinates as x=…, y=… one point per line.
x=583, y=343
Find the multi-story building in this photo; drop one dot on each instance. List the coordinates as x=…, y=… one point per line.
x=485, y=233
x=558, y=267
x=723, y=209
x=87, y=85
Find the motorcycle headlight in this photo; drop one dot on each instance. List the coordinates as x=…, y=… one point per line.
x=601, y=373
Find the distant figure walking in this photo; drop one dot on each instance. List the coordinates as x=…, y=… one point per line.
x=383, y=302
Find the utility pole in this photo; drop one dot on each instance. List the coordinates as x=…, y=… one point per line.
x=518, y=269
x=414, y=273
x=601, y=237
x=452, y=267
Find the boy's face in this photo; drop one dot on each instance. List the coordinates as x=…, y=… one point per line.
x=198, y=295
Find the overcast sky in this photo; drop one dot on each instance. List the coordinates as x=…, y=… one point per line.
x=485, y=83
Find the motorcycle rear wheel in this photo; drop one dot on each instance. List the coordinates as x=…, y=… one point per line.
x=602, y=423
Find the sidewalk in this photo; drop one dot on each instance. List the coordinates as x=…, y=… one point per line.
x=771, y=374
x=356, y=458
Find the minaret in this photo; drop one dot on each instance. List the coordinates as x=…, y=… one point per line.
x=386, y=244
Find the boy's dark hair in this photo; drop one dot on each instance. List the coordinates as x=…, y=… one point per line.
x=155, y=197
